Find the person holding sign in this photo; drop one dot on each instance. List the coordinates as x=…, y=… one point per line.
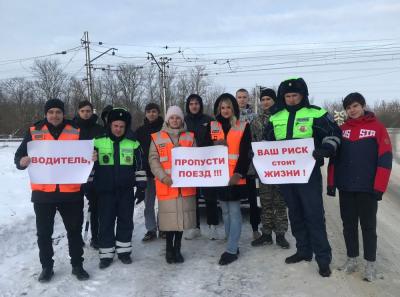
x=176, y=206
x=48, y=198
x=119, y=168
x=361, y=172
x=273, y=207
x=295, y=118
x=235, y=134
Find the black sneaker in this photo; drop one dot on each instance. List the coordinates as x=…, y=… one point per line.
x=125, y=258
x=80, y=273
x=227, y=258
x=105, y=262
x=281, y=241
x=46, y=274
x=150, y=235
x=262, y=240
x=324, y=270
x=296, y=258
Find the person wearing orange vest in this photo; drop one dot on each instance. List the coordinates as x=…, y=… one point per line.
x=176, y=206
x=235, y=134
x=48, y=198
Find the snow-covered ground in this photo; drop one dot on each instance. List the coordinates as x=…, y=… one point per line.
x=258, y=272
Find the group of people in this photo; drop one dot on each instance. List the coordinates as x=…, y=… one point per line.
x=359, y=155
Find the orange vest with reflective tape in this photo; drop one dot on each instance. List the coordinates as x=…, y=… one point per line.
x=233, y=141
x=164, y=147
x=68, y=133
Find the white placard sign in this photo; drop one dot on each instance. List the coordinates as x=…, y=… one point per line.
x=200, y=166
x=284, y=162
x=60, y=162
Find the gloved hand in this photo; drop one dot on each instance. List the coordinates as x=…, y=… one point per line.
x=139, y=195
x=234, y=179
x=321, y=153
x=378, y=195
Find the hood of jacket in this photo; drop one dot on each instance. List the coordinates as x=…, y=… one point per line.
x=232, y=99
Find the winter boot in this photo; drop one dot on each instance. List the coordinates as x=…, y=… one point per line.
x=150, y=235
x=324, y=270
x=350, y=266
x=105, y=262
x=192, y=234
x=281, y=241
x=262, y=240
x=80, y=273
x=296, y=258
x=177, y=249
x=370, y=271
x=46, y=274
x=227, y=258
x=125, y=258
x=212, y=232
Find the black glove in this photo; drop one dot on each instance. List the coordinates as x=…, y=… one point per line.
x=139, y=195
x=378, y=195
x=321, y=153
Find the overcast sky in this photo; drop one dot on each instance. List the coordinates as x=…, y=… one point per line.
x=337, y=46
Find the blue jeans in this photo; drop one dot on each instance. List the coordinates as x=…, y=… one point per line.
x=233, y=224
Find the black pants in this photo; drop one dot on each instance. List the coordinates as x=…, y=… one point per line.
x=211, y=208
x=173, y=239
x=356, y=206
x=255, y=211
x=72, y=216
x=307, y=217
x=94, y=216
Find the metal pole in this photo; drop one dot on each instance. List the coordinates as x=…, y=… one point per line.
x=88, y=66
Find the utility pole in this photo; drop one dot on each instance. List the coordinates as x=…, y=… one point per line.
x=162, y=67
x=86, y=43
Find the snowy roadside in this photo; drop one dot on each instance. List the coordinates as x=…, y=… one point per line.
x=258, y=272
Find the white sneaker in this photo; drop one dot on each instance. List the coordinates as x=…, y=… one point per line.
x=212, y=232
x=192, y=234
x=350, y=266
x=370, y=271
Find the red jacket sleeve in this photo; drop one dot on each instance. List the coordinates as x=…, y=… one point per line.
x=385, y=158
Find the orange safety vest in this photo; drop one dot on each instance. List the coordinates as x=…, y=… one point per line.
x=68, y=133
x=164, y=147
x=233, y=140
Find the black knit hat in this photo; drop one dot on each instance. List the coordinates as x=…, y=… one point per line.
x=119, y=114
x=293, y=85
x=268, y=92
x=151, y=106
x=353, y=97
x=85, y=103
x=53, y=103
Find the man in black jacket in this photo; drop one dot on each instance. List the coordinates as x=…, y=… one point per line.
x=152, y=123
x=48, y=198
x=89, y=129
x=196, y=122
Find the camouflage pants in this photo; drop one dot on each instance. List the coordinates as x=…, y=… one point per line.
x=273, y=210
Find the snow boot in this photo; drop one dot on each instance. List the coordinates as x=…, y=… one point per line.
x=370, y=271
x=296, y=258
x=46, y=274
x=350, y=266
x=170, y=255
x=105, y=262
x=149, y=236
x=324, y=270
x=281, y=241
x=125, y=258
x=262, y=240
x=177, y=249
x=227, y=258
x=80, y=273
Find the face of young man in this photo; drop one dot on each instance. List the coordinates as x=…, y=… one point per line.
x=242, y=99
x=152, y=115
x=55, y=116
x=194, y=106
x=85, y=112
x=266, y=102
x=226, y=110
x=118, y=128
x=174, y=122
x=355, y=110
x=292, y=99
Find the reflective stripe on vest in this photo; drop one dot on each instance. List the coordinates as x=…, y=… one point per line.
x=68, y=133
x=233, y=139
x=105, y=147
x=164, y=147
x=302, y=125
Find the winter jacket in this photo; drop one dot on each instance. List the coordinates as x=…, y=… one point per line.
x=22, y=151
x=143, y=134
x=175, y=214
x=247, y=114
x=89, y=128
x=364, y=161
x=233, y=193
